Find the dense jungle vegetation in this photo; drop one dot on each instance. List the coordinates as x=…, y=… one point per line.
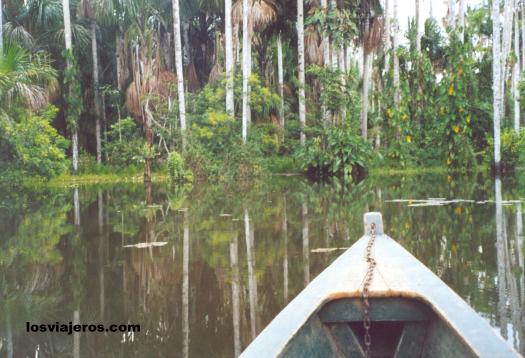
x=222, y=90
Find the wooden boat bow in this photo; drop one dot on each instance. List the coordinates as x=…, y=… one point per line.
x=317, y=322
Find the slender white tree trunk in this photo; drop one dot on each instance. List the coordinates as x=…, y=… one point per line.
x=387, y=44
x=96, y=92
x=496, y=79
x=1, y=29
x=451, y=14
x=300, y=56
x=418, y=32
x=342, y=69
x=516, y=74
x=395, y=44
x=246, y=68
x=364, y=96
x=280, y=75
x=505, y=50
x=306, y=243
x=523, y=35
x=228, y=44
x=178, y=67
x=333, y=45
x=326, y=60
x=69, y=47
x=461, y=20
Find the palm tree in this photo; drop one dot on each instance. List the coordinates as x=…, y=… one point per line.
x=228, y=45
x=280, y=75
x=370, y=36
x=246, y=68
x=25, y=77
x=395, y=44
x=418, y=35
x=69, y=49
x=300, y=57
x=496, y=80
x=178, y=66
x=516, y=73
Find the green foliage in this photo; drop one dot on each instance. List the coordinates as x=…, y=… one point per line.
x=177, y=169
x=125, y=144
x=32, y=147
x=337, y=152
x=512, y=149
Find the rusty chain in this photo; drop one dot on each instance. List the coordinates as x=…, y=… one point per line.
x=366, y=286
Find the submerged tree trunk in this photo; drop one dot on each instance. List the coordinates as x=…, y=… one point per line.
x=186, y=286
x=96, y=90
x=228, y=47
x=496, y=80
x=246, y=69
x=178, y=67
x=300, y=57
x=69, y=48
x=236, y=305
x=280, y=75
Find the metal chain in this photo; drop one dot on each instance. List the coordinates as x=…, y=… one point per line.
x=366, y=286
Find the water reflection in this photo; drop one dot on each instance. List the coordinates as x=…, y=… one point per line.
x=203, y=272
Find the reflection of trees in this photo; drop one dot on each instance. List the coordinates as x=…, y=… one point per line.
x=217, y=283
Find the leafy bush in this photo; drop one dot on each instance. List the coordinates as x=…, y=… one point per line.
x=177, y=168
x=125, y=144
x=512, y=149
x=337, y=152
x=31, y=146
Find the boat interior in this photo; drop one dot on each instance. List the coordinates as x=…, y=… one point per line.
x=400, y=327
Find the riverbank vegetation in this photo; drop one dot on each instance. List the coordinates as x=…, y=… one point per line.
x=220, y=91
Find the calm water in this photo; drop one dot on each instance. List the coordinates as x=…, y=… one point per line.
x=203, y=272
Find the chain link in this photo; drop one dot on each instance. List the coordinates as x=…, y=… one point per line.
x=366, y=288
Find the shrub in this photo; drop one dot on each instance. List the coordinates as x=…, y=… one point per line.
x=336, y=152
x=31, y=146
x=512, y=149
x=177, y=169
x=125, y=144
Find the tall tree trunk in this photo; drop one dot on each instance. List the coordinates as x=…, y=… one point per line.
x=1, y=29
x=178, y=67
x=246, y=68
x=228, y=47
x=461, y=20
x=496, y=80
x=395, y=44
x=516, y=74
x=342, y=69
x=326, y=60
x=364, y=95
x=280, y=75
x=96, y=90
x=69, y=48
x=386, y=40
x=300, y=57
x=418, y=32
x=505, y=50
x=451, y=14
x=523, y=36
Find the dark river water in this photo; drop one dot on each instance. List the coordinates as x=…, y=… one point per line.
x=204, y=270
